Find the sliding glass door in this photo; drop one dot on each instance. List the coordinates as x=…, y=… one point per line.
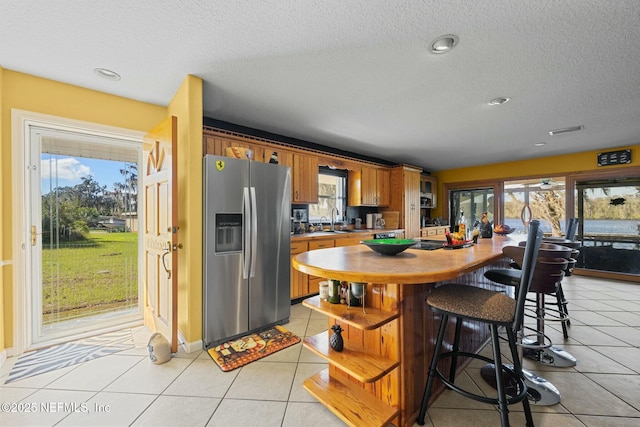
x=609, y=228
x=467, y=206
x=544, y=198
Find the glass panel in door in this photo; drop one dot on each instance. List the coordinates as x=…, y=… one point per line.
x=87, y=276
x=609, y=226
x=541, y=199
x=467, y=206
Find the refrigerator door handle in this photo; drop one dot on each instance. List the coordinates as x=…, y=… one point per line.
x=246, y=260
x=254, y=231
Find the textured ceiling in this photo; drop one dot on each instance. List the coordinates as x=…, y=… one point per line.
x=357, y=75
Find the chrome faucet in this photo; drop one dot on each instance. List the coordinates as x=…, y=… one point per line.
x=333, y=221
x=325, y=218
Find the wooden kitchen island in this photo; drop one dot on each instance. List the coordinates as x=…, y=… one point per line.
x=380, y=375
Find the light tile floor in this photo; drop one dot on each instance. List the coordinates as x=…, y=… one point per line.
x=127, y=389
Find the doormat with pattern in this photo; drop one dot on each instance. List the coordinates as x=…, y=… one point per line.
x=71, y=353
x=235, y=354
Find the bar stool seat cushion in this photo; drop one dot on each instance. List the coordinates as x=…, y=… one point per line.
x=504, y=276
x=473, y=302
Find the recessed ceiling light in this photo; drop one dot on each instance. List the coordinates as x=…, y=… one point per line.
x=566, y=130
x=107, y=74
x=444, y=44
x=499, y=101
x=540, y=144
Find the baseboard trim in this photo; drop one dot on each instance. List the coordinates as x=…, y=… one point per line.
x=189, y=347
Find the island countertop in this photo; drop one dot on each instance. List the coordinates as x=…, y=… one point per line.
x=413, y=266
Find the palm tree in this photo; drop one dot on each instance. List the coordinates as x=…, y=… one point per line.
x=126, y=193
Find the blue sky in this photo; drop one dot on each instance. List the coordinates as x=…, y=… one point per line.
x=70, y=171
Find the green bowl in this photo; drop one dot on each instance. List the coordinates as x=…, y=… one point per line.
x=389, y=246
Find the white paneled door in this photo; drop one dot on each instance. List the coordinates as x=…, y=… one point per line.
x=160, y=265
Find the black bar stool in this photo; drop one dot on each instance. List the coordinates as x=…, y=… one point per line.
x=556, y=310
x=553, y=261
x=561, y=313
x=569, y=241
x=496, y=310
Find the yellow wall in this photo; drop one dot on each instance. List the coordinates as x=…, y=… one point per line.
x=186, y=105
x=555, y=165
x=4, y=271
x=35, y=94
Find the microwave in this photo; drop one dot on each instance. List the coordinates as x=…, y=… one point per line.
x=426, y=200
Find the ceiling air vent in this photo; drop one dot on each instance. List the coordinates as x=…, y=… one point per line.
x=565, y=130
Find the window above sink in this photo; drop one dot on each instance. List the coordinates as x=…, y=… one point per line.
x=332, y=193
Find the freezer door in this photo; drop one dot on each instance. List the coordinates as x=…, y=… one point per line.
x=225, y=216
x=269, y=294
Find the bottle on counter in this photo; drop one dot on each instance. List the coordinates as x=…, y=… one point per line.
x=486, y=229
x=462, y=225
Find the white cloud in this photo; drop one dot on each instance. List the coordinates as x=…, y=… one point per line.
x=68, y=168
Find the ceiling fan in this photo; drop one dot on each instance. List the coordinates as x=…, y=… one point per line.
x=547, y=184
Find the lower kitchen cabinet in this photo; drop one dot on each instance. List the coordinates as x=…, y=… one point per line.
x=434, y=231
x=314, y=284
x=321, y=244
x=303, y=285
x=299, y=281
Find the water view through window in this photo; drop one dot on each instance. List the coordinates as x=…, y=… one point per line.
x=608, y=210
x=610, y=225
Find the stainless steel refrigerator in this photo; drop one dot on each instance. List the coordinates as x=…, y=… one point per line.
x=247, y=211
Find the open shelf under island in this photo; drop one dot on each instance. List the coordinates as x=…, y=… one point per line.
x=387, y=349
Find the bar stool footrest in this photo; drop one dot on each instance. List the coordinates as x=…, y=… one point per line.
x=531, y=341
x=518, y=386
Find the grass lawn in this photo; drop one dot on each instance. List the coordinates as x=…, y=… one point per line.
x=90, y=277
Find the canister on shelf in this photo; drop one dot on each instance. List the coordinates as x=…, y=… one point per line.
x=324, y=290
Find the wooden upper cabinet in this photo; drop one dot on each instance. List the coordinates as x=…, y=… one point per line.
x=218, y=145
x=304, y=182
x=428, y=189
x=285, y=158
x=369, y=186
x=383, y=186
x=412, y=203
x=405, y=198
